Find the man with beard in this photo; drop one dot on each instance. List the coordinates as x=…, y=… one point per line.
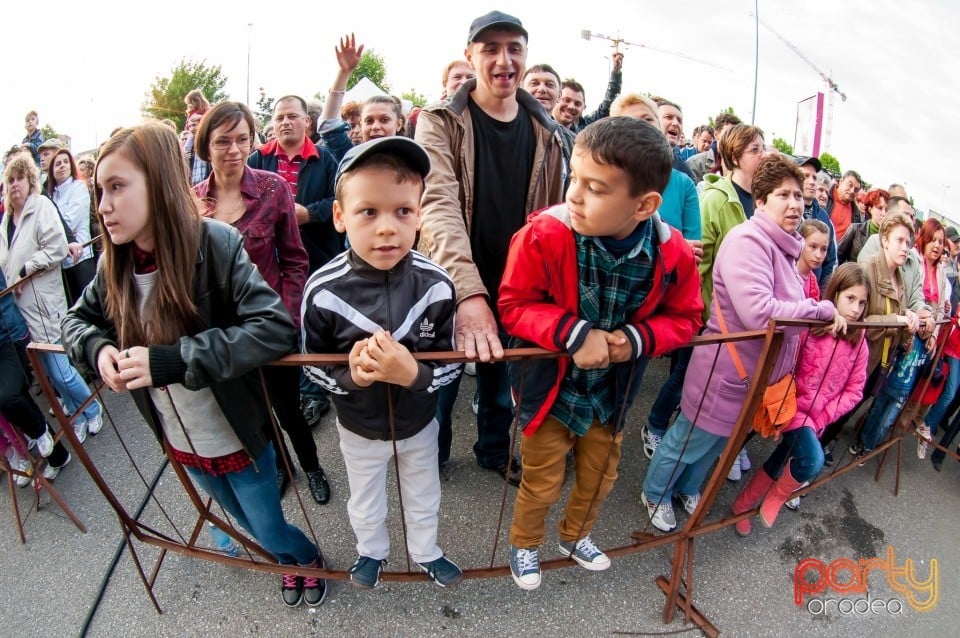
x=842, y=203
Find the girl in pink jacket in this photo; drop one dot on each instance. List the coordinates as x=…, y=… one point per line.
x=830, y=375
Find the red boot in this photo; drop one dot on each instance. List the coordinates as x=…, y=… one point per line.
x=781, y=492
x=748, y=497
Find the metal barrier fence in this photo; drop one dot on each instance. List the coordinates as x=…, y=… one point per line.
x=678, y=586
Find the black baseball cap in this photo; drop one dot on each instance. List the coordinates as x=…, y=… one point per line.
x=812, y=161
x=403, y=147
x=495, y=19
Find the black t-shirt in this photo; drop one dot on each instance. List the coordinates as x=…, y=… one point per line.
x=503, y=162
x=746, y=200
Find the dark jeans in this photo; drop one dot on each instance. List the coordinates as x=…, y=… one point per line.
x=282, y=384
x=446, y=398
x=668, y=399
x=18, y=406
x=802, y=449
x=77, y=277
x=494, y=415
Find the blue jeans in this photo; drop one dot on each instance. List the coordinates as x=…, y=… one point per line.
x=494, y=415
x=69, y=384
x=939, y=410
x=251, y=497
x=668, y=399
x=881, y=416
x=678, y=469
x=802, y=448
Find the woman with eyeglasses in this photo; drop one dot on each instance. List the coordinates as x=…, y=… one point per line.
x=259, y=205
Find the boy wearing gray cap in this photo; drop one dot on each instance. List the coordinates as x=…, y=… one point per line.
x=380, y=301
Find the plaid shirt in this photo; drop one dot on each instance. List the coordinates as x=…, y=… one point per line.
x=612, y=289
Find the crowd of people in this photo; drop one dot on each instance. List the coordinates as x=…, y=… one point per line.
x=603, y=236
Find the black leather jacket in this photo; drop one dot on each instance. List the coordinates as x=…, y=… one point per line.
x=245, y=326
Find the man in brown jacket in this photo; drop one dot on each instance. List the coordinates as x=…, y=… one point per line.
x=495, y=157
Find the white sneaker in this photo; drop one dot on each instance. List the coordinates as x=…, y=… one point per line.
x=794, y=503
x=660, y=515
x=650, y=442
x=22, y=465
x=689, y=502
x=80, y=429
x=44, y=442
x=744, y=461
x=51, y=472
x=95, y=424
x=924, y=432
x=586, y=553
x=735, y=474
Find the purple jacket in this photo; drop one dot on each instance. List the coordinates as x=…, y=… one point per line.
x=755, y=278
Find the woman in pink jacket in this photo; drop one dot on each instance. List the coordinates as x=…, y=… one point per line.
x=830, y=375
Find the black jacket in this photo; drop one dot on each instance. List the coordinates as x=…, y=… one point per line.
x=315, y=185
x=244, y=326
x=346, y=301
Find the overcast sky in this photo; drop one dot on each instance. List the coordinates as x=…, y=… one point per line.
x=86, y=66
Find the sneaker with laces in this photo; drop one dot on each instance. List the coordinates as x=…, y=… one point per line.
x=80, y=430
x=924, y=432
x=314, y=587
x=660, y=515
x=365, y=572
x=855, y=448
x=689, y=501
x=650, y=442
x=525, y=567
x=95, y=424
x=443, y=571
x=50, y=472
x=586, y=553
x=745, y=464
x=736, y=472
x=291, y=589
x=21, y=464
x=319, y=487
x=44, y=442
x=794, y=503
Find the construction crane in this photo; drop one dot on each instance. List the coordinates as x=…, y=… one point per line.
x=587, y=34
x=831, y=87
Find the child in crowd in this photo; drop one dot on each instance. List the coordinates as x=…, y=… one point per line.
x=816, y=238
x=603, y=279
x=380, y=301
x=178, y=316
x=830, y=375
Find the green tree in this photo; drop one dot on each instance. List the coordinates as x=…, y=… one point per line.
x=164, y=100
x=830, y=163
x=371, y=67
x=415, y=96
x=781, y=145
x=264, y=111
x=48, y=132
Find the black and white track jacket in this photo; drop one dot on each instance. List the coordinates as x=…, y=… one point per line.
x=348, y=300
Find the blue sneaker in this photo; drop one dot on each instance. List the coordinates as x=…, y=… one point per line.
x=443, y=571
x=586, y=553
x=525, y=567
x=365, y=572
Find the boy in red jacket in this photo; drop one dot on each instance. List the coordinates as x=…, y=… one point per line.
x=604, y=280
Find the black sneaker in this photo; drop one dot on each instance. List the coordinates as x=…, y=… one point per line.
x=855, y=448
x=511, y=471
x=314, y=587
x=283, y=480
x=291, y=589
x=828, y=458
x=365, y=572
x=314, y=409
x=319, y=488
x=443, y=571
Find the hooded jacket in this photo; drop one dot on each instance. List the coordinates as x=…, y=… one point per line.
x=755, y=280
x=539, y=303
x=720, y=211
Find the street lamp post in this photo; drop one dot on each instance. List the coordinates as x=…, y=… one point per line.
x=249, y=40
x=943, y=200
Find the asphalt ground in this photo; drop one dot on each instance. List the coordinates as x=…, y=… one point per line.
x=50, y=585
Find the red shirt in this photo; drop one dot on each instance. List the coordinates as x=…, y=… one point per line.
x=841, y=215
x=289, y=167
x=270, y=233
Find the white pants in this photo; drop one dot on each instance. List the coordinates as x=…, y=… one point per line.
x=367, y=462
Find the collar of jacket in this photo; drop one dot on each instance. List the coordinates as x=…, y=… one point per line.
x=365, y=270
x=790, y=243
x=459, y=100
